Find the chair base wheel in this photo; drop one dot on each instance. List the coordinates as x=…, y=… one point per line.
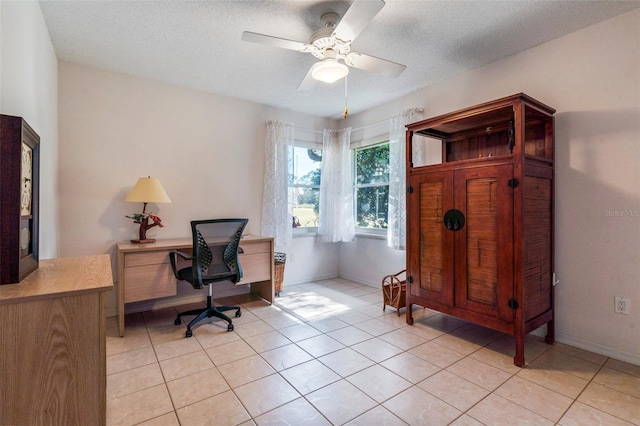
x=188, y=333
x=178, y=321
x=238, y=313
x=230, y=327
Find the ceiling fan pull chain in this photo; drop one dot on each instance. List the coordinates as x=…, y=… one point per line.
x=345, y=113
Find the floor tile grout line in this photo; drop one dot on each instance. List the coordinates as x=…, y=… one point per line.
x=590, y=381
x=316, y=358
x=204, y=349
x=362, y=310
x=376, y=363
x=575, y=400
x=279, y=372
x=412, y=384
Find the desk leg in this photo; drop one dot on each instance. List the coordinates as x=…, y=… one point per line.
x=120, y=294
x=121, y=320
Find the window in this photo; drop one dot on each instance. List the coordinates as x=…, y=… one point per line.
x=304, y=186
x=371, y=187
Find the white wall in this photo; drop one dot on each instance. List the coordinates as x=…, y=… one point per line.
x=309, y=259
x=28, y=89
x=206, y=150
x=592, y=79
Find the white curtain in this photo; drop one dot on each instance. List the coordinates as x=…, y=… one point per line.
x=276, y=205
x=336, y=189
x=397, y=221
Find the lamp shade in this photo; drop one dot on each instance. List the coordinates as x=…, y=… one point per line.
x=329, y=70
x=148, y=190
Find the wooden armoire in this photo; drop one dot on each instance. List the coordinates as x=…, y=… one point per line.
x=480, y=216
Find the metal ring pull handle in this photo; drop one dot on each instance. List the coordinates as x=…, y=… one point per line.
x=453, y=220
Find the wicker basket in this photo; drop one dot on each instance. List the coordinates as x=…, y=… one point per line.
x=279, y=260
x=394, y=290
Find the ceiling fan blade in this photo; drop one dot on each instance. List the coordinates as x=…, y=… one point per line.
x=359, y=15
x=373, y=64
x=307, y=82
x=275, y=41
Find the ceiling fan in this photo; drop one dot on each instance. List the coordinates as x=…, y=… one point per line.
x=332, y=44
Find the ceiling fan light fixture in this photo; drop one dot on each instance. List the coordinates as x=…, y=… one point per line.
x=329, y=70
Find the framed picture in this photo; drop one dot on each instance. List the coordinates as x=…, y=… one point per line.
x=19, y=199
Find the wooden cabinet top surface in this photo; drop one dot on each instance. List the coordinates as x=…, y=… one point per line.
x=175, y=243
x=62, y=277
x=482, y=115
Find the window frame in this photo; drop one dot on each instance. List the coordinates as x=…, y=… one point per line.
x=308, y=230
x=377, y=233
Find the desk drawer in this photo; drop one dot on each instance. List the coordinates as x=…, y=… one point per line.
x=255, y=267
x=149, y=282
x=251, y=247
x=147, y=258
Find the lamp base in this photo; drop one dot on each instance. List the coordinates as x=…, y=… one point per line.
x=145, y=241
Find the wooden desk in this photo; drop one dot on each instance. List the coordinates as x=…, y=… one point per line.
x=53, y=367
x=144, y=271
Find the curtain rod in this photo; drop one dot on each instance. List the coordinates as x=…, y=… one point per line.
x=381, y=121
x=353, y=129
x=307, y=130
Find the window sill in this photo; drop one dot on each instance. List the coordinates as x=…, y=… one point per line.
x=313, y=232
x=305, y=232
x=372, y=235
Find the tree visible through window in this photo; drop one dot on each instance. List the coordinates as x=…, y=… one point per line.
x=304, y=185
x=372, y=186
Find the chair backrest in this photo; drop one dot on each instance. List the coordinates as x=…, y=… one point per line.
x=215, y=248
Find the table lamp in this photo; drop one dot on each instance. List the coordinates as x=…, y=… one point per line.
x=147, y=190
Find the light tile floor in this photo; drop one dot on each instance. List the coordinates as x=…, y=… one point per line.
x=326, y=354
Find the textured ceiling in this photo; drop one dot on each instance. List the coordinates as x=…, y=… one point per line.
x=196, y=44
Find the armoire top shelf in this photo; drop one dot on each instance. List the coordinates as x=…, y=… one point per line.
x=486, y=130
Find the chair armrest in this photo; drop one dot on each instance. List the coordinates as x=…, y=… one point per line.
x=240, y=274
x=172, y=259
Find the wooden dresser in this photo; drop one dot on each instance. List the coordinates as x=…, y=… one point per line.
x=53, y=344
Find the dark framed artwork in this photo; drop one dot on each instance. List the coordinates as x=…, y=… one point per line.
x=19, y=199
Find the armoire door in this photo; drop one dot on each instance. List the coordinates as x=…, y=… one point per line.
x=483, y=196
x=431, y=263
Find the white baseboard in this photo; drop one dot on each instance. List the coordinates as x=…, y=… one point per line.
x=599, y=349
x=590, y=346
x=631, y=358
x=360, y=281
x=304, y=280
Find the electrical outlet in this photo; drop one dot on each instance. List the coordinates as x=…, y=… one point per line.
x=621, y=305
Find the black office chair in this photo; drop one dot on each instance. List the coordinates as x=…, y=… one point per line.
x=215, y=258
